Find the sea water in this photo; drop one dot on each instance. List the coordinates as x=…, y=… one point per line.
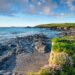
x=12, y=32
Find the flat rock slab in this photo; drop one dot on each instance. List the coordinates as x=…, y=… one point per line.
x=30, y=62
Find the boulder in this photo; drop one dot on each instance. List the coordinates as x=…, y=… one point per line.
x=40, y=47
x=40, y=43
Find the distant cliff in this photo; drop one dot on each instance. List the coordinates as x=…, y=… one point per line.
x=59, y=26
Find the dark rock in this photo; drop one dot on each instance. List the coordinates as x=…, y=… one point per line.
x=5, y=60
x=24, y=44
x=28, y=44
x=3, y=48
x=16, y=46
x=40, y=43
x=31, y=43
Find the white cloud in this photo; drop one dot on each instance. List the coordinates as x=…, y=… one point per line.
x=69, y=4
x=46, y=10
x=45, y=7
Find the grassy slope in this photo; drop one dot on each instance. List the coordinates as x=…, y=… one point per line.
x=57, y=25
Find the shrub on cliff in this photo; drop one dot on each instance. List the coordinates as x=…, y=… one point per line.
x=73, y=56
x=46, y=71
x=31, y=73
x=63, y=45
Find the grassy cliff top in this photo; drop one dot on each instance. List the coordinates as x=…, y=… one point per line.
x=66, y=44
x=57, y=25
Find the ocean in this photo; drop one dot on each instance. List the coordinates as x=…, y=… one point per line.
x=12, y=32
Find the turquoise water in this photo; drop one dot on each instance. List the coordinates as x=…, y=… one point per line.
x=12, y=32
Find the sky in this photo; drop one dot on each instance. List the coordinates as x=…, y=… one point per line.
x=34, y=12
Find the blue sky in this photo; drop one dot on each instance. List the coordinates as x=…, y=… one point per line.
x=35, y=12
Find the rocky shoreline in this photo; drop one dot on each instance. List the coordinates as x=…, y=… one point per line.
x=21, y=55
x=33, y=49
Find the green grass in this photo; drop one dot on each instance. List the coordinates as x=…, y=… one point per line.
x=69, y=25
x=64, y=45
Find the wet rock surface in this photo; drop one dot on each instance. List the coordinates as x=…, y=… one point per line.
x=21, y=53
